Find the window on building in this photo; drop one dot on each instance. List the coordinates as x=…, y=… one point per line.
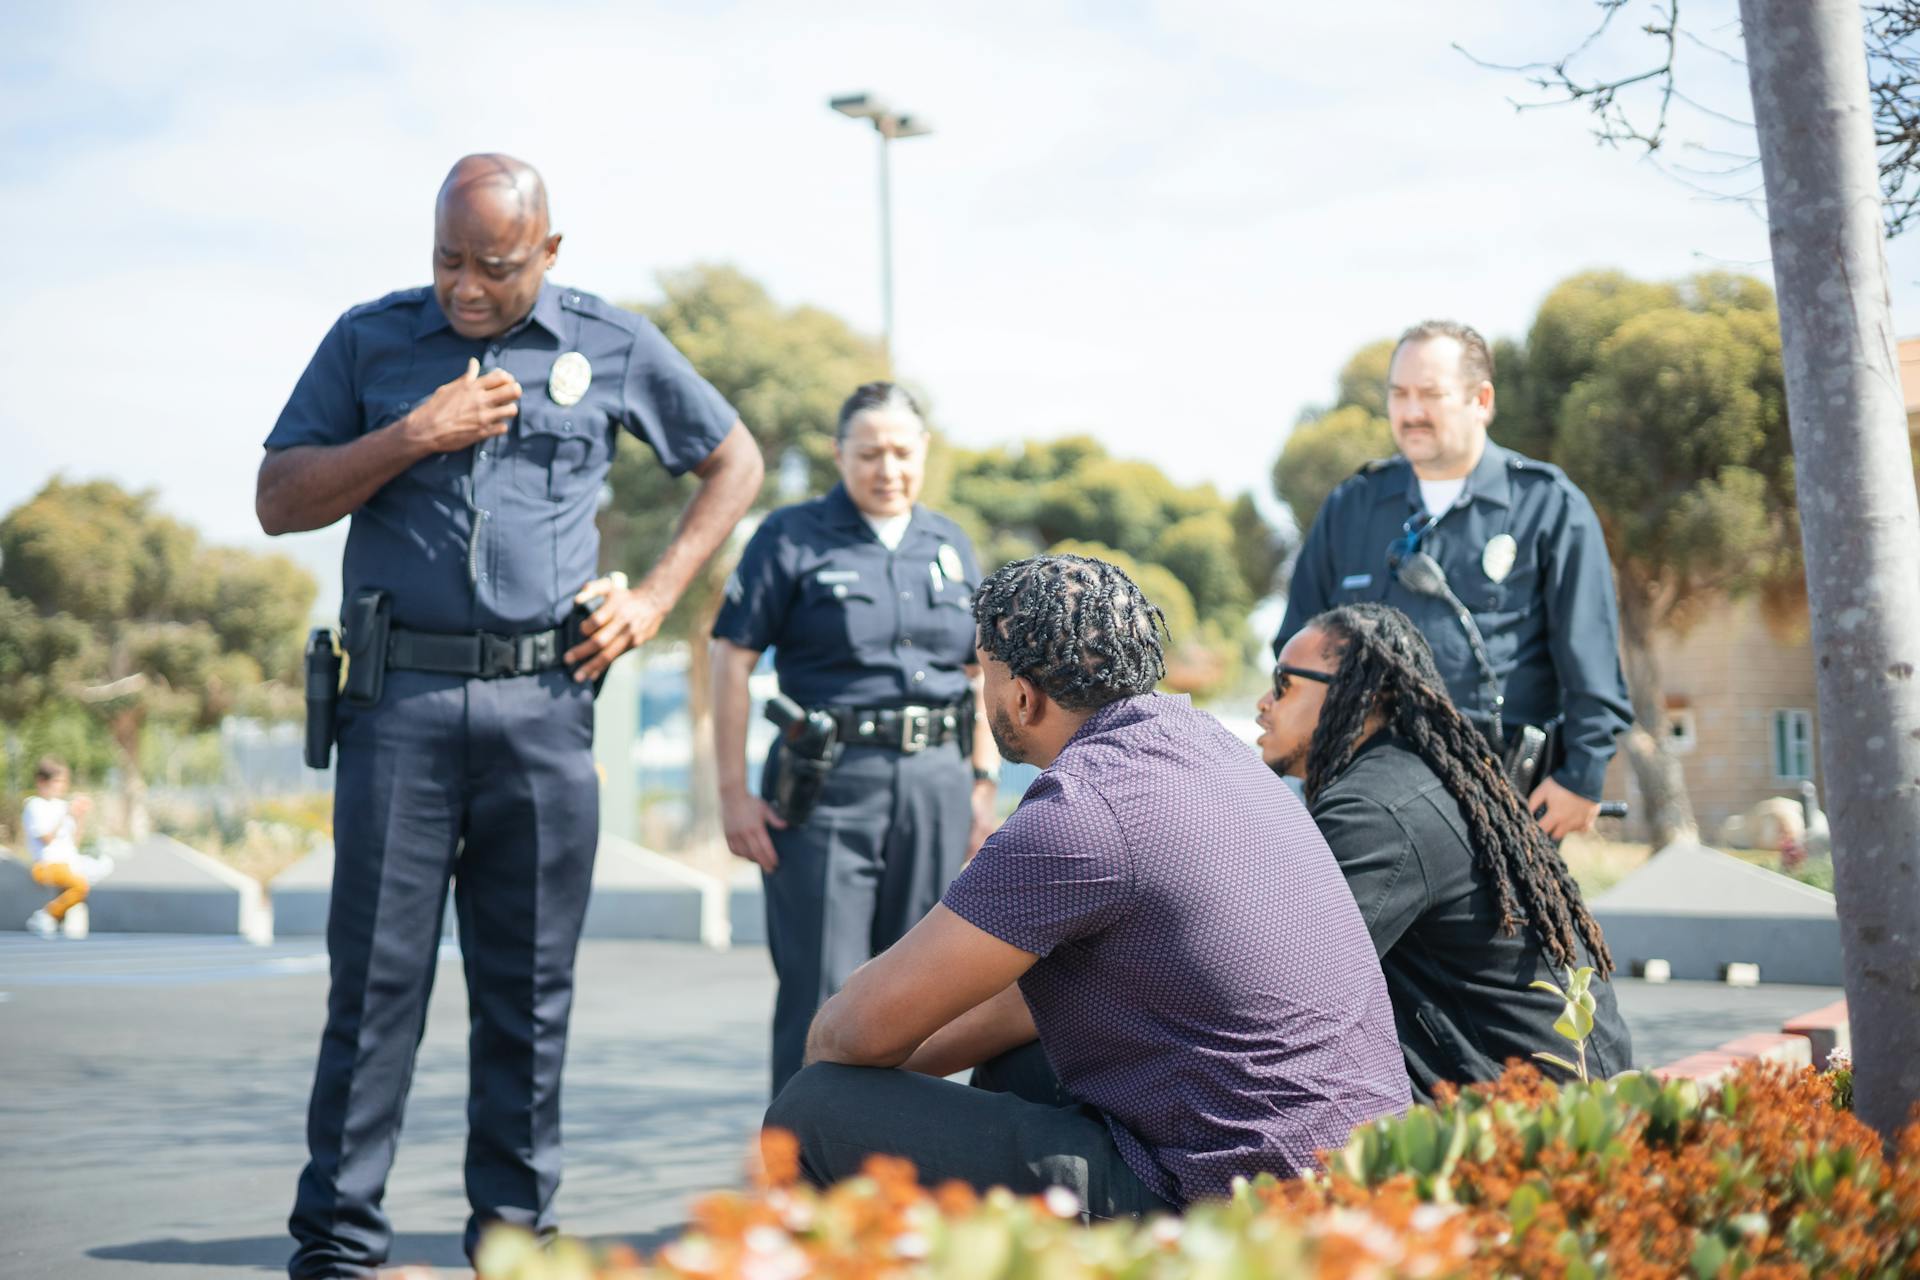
x=1792, y=744
x=1681, y=733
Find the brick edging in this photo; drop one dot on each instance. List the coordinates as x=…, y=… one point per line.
x=1802, y=1041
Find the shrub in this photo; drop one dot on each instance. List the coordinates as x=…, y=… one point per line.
x=1766, y=1177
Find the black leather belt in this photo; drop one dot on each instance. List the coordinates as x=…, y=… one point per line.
x=904, y=729
x=476, y=653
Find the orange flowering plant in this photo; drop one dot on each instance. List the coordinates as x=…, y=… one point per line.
x=1765, y=1177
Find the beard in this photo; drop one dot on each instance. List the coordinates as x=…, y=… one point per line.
x=1005, y=736
x=1288, y=763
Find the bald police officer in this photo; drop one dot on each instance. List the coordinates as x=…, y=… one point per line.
x=467, y=429
x=1521, y=550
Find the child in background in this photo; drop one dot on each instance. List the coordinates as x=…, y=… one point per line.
x=52, y=823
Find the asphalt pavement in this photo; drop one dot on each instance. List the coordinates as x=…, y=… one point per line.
x=153, y=1096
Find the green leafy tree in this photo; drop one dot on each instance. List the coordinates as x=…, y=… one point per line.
x=1323, y=452
x=1202, y=558
x=115, y=618
x=1362, y=382
x=1677, y=432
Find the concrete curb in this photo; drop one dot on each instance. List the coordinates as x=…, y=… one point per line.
x=1700, y=910
x=158, y=886
x=1797, y=1044
x=637, y=894
x=747, y=906
x=1826, y=1029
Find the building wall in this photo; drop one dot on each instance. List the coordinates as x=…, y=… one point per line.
x=1725, y=680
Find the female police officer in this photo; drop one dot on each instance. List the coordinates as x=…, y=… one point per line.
x=866, y=599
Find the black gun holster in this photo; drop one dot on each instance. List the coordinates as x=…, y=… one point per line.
x=323, y=692
x=797, y=767
x=1529, y=755
x=799, y=781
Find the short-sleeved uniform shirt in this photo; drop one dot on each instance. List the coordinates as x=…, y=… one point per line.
x=851, y=623
x=1523, y=551
x=1204, y=979
x=499, y=536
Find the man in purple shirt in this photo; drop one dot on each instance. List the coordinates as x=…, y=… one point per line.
x=1160, y=914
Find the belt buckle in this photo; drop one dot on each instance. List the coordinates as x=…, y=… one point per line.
x=497, y=656
x=916, y=729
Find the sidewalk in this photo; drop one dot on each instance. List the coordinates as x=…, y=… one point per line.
x=155, y=1093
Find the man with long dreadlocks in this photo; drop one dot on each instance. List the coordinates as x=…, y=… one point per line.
x=1123, y=918
x=1466, y=897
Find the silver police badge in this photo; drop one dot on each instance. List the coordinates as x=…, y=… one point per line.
x=1498, y=558
x=950, y=563
x=569, y=379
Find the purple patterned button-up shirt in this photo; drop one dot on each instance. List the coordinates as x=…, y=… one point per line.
x=1204, y=979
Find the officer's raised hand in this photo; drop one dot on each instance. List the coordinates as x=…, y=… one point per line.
x=471, y=408
x=627, y=617
x=1562, y=812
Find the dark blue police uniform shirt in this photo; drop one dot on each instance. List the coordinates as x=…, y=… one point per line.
x=1551, y=623
x=498, y=536
x=850, y=623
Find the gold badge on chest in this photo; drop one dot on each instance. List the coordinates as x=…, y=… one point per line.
x=1497, y=559
x=569, y=379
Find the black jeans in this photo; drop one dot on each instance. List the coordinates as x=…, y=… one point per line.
x=1015, y=1128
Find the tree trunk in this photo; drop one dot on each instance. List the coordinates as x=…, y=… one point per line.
x=1859, y=524
x=124, y=728
x=1663, y=784
x=703, y=799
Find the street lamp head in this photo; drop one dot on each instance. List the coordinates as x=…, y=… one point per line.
x=910, y=127
x=859, y=106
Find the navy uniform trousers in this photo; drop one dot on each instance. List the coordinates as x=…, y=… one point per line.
x=489, y=784
x=888, y=835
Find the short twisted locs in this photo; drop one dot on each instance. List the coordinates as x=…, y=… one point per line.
x=1078, y=628
x=1386, y=666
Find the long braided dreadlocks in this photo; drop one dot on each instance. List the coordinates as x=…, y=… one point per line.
x=1078, y=628
x=1387, y=668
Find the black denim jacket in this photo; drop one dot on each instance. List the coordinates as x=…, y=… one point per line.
x=1459, y=985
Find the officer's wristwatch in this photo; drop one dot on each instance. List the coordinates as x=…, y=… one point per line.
x=986, y=775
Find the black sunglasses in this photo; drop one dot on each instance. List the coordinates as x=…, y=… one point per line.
x=1283, y=671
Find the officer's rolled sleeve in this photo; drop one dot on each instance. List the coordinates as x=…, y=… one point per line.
x=757, y=593
x=1583, y=628
x=1376, y=855
x=1307, y=593
x=680, y=416
x=324, y=407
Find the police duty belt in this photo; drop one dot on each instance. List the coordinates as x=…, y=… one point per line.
x=477, y=653
x=905, y=729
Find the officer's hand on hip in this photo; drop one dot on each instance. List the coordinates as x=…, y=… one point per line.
x=1562, y=812
x=471, y=408
x=745, y=819
x=986, y=814
x=628, y=617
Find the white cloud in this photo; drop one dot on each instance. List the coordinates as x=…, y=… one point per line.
x=1167, y=226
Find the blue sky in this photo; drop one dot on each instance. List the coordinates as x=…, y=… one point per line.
x=1166, y=224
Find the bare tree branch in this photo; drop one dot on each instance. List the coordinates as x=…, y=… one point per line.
x=1634, y=109
x=1602, y=97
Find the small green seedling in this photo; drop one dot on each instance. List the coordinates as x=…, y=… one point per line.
x=1575, y=1021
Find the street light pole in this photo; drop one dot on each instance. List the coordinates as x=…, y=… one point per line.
x=888, y=124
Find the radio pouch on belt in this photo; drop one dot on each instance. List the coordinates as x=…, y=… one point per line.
x=364, y=637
